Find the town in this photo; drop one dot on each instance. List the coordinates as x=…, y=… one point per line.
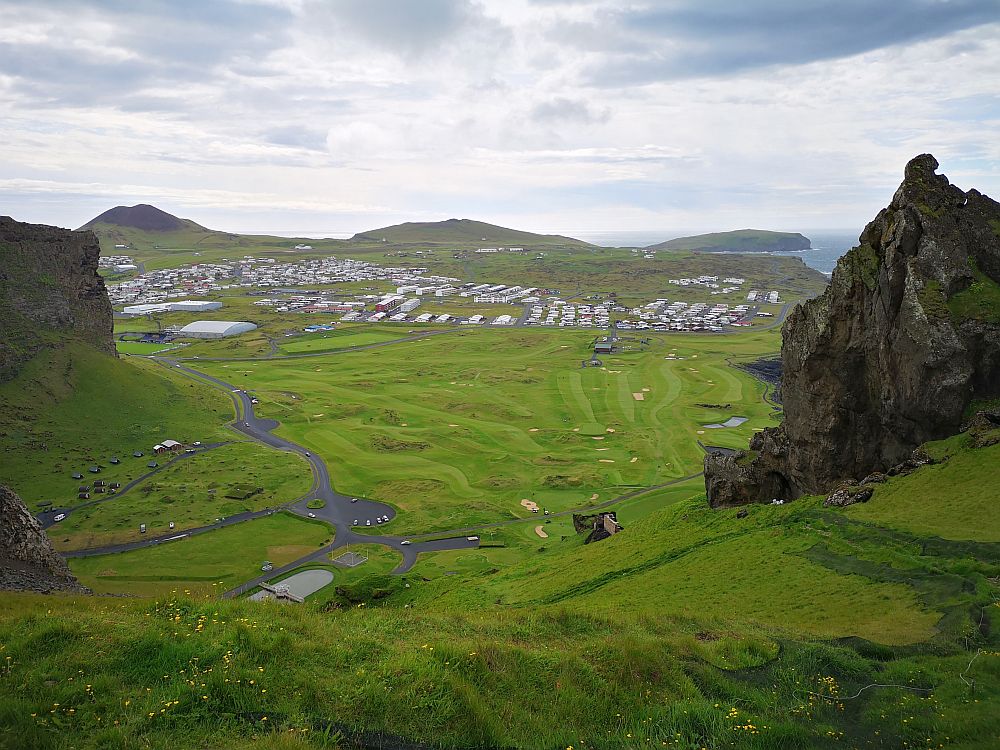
x=279, y=287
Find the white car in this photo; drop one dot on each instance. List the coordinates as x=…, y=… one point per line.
x=355, y=522
x=312, y=515
x=59, y=517
x=406, y=541
x=368, y=522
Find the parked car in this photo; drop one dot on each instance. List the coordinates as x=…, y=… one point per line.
x=312, y=515
x=59, y=517
x=406, y=541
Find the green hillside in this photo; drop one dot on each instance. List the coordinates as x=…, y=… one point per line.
x=795, y=627
x=463, y=232
x=741, y=240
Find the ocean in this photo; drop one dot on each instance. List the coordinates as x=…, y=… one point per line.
x=826, y=248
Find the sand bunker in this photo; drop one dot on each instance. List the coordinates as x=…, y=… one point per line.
x=594, y=496
x=602, y=449
x=639, y=396
x=610, y=429
x=600, y=437
x=529, y=504
x=317, y=415
x=606, y=460
x=634, y=459
x=576, y=429
x=645, y=390
x=533, y=429
x=541, y=532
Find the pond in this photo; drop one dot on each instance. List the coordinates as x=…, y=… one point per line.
x=731, y=422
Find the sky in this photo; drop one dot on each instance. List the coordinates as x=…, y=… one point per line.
x=322, y=116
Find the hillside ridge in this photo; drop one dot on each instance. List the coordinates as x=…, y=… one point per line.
x=144, y=217
x=899, y=349
x=738, y=241
x=460, y=231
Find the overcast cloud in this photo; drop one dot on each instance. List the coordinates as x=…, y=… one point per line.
x=552, y=115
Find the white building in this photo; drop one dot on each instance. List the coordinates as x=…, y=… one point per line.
x=215, y=329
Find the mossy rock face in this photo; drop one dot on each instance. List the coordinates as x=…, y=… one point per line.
x=932, y=301
x=864, y=264
x=980, y=301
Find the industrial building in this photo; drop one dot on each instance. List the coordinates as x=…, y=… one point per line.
x=187, y=305
x=214, y=329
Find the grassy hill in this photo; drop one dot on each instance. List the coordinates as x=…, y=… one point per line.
x=741, y=240
x=463, y=232
x=803, y=627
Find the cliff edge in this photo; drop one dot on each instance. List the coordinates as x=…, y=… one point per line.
x=27, y=560
x=899, y=349
x=49, y=290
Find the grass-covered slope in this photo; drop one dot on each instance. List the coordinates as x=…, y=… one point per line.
x=740, y=240
x=463, y=232
x=794, y=627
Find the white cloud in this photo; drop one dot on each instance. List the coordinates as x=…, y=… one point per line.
x=497, y=110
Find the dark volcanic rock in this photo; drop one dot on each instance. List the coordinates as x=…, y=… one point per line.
x=848, y=495
x=905, y=338
x=142, y=216
x=49, y=290
x=27, y=560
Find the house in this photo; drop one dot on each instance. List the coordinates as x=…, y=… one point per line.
x=166, y=445
x=604, y=346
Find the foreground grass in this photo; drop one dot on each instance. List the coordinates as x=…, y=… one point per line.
x=208, y=564
x=90, y=673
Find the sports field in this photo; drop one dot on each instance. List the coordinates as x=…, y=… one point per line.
x=457, y=429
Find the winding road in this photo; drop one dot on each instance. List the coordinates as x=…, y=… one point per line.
x=343, y=512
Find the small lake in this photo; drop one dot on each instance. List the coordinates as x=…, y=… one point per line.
x=731, y=422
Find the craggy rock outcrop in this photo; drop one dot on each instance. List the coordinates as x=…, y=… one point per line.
x=903, y=341
x=49, y=290
x=848, y=495
x=27, y=560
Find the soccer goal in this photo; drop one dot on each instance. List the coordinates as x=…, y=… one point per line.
x=350, y=559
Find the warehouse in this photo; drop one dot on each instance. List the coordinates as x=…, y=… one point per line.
x=187, y=305
x=214, y=329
